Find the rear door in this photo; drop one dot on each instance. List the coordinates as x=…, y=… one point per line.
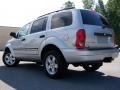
x=98, y=32
x=37, y=36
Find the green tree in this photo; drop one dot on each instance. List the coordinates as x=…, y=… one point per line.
x=100, y=7
x=68, y=4
x=113, y=15
x=97, y=8
x=88, y=4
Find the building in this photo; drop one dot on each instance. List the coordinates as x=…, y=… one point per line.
x=4, y=34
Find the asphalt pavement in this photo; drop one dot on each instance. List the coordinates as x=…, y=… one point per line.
x=29, y=76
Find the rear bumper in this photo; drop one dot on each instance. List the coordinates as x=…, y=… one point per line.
x=79, y=56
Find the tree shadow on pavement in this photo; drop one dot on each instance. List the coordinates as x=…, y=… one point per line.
x=32, y=77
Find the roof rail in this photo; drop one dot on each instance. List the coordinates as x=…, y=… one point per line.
x=56, y=11
x=68, y=8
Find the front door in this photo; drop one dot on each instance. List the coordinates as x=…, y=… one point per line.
x=19, y=42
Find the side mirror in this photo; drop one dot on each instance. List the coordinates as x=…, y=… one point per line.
x=13, y=34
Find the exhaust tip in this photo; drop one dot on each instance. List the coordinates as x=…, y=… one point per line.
x=108, y=59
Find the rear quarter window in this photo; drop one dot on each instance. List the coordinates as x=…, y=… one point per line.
x=61, y=19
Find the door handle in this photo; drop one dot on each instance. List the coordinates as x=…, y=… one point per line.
x=23, y=39
x=42, y=36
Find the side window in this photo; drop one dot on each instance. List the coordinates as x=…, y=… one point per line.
x=39, y=25
x=61, y=20
x=24, y=30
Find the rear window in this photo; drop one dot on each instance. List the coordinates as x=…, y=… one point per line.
x=93, y=18
x=39, y=25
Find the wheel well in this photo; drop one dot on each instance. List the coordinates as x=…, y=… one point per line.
x=49, y=48
x=7, y=49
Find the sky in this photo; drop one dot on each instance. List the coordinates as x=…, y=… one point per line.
x=16, y=13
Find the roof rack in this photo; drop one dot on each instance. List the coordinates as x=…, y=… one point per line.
x=56, y=11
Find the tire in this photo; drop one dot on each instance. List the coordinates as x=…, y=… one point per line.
x=54, y=64
x=9, y=60
x=92, y=67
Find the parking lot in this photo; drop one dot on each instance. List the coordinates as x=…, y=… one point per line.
x=29, y=76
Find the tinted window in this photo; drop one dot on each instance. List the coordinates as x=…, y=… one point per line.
x=39, y=25
x=24, y=30
x=61, y=20
x=93, y=18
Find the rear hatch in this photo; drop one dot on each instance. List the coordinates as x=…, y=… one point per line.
x=98, y=31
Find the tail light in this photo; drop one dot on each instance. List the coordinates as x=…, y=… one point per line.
x=80, y=38
x=114, y=40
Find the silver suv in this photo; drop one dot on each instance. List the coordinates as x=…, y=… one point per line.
x=72, y=36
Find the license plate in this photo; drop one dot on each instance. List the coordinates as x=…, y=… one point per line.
x=102, y=39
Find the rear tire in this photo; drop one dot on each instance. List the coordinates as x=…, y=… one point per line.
x=9, y=60
x=54, y=64
x=92, y=67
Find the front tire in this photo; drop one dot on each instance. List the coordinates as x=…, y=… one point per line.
x=9, y=60
x=54, y=64
x=92, y=67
